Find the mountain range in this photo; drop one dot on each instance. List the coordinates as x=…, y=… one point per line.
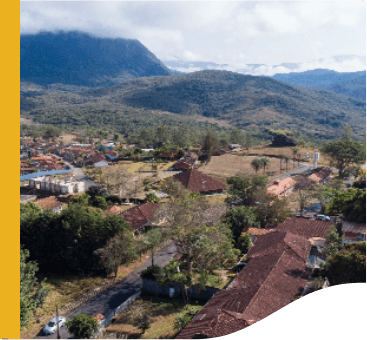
x=76, y=58
x=67, y=77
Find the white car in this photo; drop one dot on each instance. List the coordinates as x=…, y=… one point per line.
x=52, y=325
x=323, y=218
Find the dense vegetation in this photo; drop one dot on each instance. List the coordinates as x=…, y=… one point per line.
x=76, y=58
x=66, y=243
x=246, y=102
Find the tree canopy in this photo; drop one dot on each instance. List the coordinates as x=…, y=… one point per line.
x=347, y=265
x=65, y=243
x=82, y=326
x=345, y=154
x=32, y=293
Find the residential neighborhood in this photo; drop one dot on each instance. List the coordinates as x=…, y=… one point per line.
x=277, y=226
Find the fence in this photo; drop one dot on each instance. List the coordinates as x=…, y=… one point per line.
x=43, y=173
x=153, y=287
x=105, y=322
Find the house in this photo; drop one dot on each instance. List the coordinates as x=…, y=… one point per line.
x=353, y=232
x=140, y=216
x=64, y=185
x=276, y=273
x=112, y=155
x=113, y=210
x=304, y=227
x=281, y=186
x=50, y=203
x=196, y=181
x=320, y=175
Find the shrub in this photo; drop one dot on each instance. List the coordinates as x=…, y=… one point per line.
x=82, y=326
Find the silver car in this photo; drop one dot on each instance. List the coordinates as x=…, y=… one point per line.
x=323, y=218
x=52, y=325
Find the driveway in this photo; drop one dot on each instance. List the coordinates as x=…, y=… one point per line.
x=80, y=175
x=108, y=300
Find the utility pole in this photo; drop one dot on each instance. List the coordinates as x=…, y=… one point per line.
x=57, y=323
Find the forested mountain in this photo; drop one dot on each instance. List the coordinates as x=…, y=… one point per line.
x=355, y=88
x=243, y=101
x=351, y=84
x=75, y=58
x=318, y=77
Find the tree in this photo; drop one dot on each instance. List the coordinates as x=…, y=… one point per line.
x=345, y=154
x=306, y=191
x=194, y=225
x=210, y=145
x=51, y=132
x=151, y=197
x=270, y=210
x=152, y=239
x=240, y=218
x=334, y=242
x=347, y=134
x=256, y=164
x=286, y=158
x=66, y=242
x=82, y=326
x=29, y=298
x=98, y=202
x=118, y=251
x=97, y=191
x=144, y=326
x=244, y=186
x=244, y=243
x=347, y=265
x=351, y=203
x=264, y=162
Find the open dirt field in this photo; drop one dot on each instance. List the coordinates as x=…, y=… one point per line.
x=286, y=151
x=229, y=165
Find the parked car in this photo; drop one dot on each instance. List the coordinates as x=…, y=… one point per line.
x=52, y=325
x=322, y=217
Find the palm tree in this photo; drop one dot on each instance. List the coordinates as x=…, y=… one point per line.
x=256, y=163
x=281, y=157
x=264, y=162
x=286, y=162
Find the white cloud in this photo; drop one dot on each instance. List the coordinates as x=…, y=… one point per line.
x=235, y=33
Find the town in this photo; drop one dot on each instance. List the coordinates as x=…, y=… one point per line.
x=221, y=236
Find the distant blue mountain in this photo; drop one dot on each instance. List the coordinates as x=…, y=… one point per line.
x=318, y=77
x=76, y=58
x=351, y=84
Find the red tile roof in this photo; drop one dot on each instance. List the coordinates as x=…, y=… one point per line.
x=140, y=215
x=182, y=166
x=304, y=226
x=114, y=209
x=279, y=186
x=196, y=181
x=49, y=203
x=279, y=241
x=266, y=284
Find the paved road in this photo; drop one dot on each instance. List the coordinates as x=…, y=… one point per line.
x=79, y=175
x=108, y=300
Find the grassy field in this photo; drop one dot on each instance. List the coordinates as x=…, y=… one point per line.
x=159, y=312
x=286, y=151
x=229, y=165
x=217, y=199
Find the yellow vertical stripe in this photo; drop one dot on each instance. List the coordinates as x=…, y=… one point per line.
x=9, y=168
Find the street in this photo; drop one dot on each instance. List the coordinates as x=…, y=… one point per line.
x=108, y=300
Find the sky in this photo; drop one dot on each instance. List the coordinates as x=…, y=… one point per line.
x=231, y=35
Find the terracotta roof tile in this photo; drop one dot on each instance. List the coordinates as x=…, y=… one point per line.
x=304, y=226
x=140, y=215
x=279, y=186
x=49, y=203
x=196, y=181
